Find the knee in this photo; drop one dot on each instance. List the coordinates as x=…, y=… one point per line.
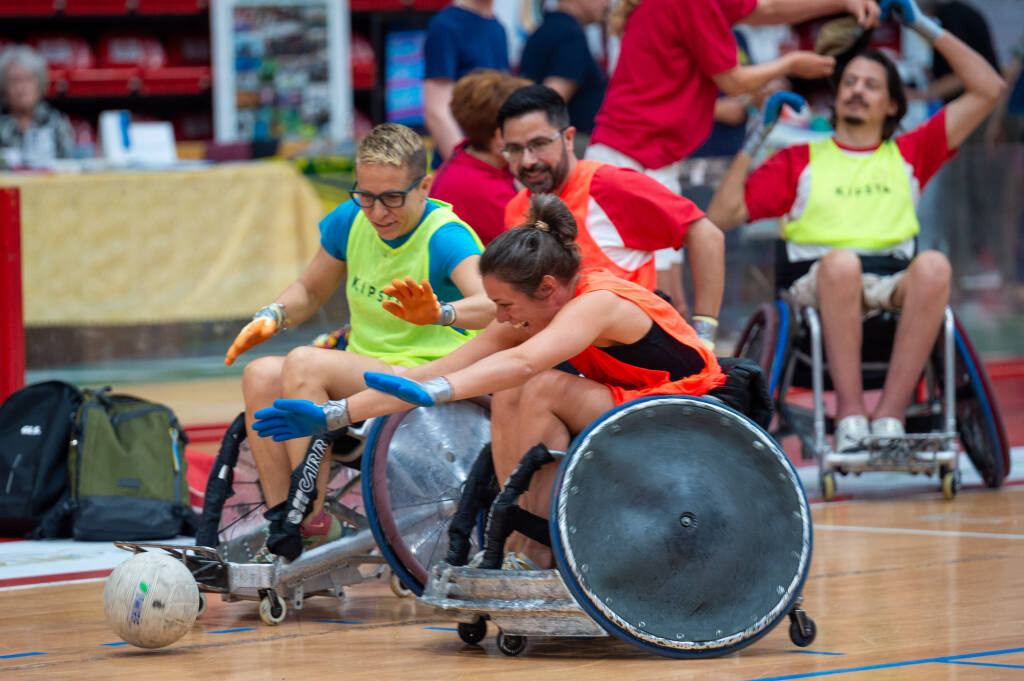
x=839, y=269
x=262, y=378
x=542, y=389
x=300, y=369
x=505, y=402
x=931, y=272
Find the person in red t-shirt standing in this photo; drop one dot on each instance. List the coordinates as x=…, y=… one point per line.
x=475, y=178
x=623, y=216
x=675, y=59
x=847, y=205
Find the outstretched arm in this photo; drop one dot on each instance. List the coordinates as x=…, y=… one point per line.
x=746, y=79
x=769, y=12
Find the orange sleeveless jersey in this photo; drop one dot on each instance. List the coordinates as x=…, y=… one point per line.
x=628, y=382
x=576, y=196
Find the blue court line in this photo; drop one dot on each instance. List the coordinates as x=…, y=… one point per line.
x=116, y=643
x=338, y=621
x=814, y=652
x=988, y=664
x=442, y=628
x=890, y=665
x=230, y=631
x=7, y=657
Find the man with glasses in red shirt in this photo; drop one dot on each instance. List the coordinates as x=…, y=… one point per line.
x=622, y=215
x=388, y=232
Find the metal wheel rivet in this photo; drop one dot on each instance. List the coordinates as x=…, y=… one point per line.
x=718, y=632
x=585, y=567
x=780, y=589
x=574, y=490
x=758, y=444
x=572, y=530
x=608, y=600
x=680, y=636
x=589, y=454
x=642, y=623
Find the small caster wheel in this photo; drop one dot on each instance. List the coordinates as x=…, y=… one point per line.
x=950, y=484
x=272, y=608
x=802, y=636
x=202, y=604
x=473, y=632
x=828, y=486
x=511, y=645
x=398, y=588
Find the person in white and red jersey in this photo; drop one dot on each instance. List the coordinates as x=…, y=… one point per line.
x=847, y=208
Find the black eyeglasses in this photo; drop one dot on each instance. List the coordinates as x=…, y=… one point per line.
x=536, y=146
x=389, y=199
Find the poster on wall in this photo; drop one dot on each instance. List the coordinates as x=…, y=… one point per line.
x=281, y=70
x=403, y=77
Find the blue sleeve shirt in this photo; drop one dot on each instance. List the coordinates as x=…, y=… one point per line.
x=449, y=246
x=459, y=41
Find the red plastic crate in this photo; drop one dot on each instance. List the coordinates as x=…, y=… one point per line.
x=175, y=80
x=20, y=8
x=90, y=7
x=102, y=82
x=170, y=6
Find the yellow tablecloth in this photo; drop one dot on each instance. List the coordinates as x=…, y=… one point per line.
x=144, y=247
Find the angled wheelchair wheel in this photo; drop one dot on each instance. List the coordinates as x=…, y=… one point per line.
x=414, y=466
x=760, y=340
x=680, y=526
x=241, y=530
x=978, y=420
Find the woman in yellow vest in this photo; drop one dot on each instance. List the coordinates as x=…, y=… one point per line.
x=626, y=342
x=388, y=231
x=847, y=208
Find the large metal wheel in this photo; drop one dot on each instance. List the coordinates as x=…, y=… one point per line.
x=680, y=526
x=414, y=467
x=760, y=340
x=978, y=420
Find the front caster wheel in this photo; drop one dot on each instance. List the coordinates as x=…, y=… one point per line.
x=202, y=604
x=473, y=632
x=398, y=588
x=511, y=645
x=950, y=484
x=804, y=635
x=272, y=608
x=828, y=486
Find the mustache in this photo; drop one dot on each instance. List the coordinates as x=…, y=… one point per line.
x=855, y=98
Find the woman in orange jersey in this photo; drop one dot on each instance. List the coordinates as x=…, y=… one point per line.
x=622, y=340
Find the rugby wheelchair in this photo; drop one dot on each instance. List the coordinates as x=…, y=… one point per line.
x=394, y=493
x=677, y=524
x=954, y=399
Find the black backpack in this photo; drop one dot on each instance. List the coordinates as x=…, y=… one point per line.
x=35, y=427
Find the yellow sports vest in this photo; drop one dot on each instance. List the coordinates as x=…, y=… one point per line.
x=372, y=264
x=859, y=201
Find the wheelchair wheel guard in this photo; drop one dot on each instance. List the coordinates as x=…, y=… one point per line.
x=978, y=420
x=414, y=466
x=680, y=526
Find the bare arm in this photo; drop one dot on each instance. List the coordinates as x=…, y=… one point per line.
x=313, y=287
x=730, y=110
x=744, y=79
x=983, y=86
x=707, y=260
x=770, y=12
x=563, y=86
x=437, y=114
x=475, y=310
x=728, y=208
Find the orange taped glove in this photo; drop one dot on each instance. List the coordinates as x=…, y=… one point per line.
x=264, y=324
x=416, y=304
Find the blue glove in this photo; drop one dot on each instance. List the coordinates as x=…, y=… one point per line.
x=773, y=107
x=910, y=15
x=768, y=118
x=426, y=394
x=289, y=419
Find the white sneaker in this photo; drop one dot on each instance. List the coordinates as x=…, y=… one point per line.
x=850, y=431
x=887, y=426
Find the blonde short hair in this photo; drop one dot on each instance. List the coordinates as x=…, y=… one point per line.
x=394, y=145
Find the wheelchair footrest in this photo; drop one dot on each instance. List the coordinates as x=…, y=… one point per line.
x=914, y=452
x=519, y=602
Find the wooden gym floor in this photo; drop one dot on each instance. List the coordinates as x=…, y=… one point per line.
x=910, y=587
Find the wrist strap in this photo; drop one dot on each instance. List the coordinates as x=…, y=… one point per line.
x=447, y=316
x=928, y=28
x=276, y=312
x=336, y=414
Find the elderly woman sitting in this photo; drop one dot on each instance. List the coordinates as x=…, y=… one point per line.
x=31, y=131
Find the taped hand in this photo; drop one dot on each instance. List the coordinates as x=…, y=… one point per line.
x=416, y=304
x=289, y=419
x=425, y=394
x=773, y=107
x=908, y=13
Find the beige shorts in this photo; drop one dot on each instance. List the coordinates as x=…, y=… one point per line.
x=877, y=289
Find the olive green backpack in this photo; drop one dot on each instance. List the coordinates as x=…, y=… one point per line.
x=127, y=470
